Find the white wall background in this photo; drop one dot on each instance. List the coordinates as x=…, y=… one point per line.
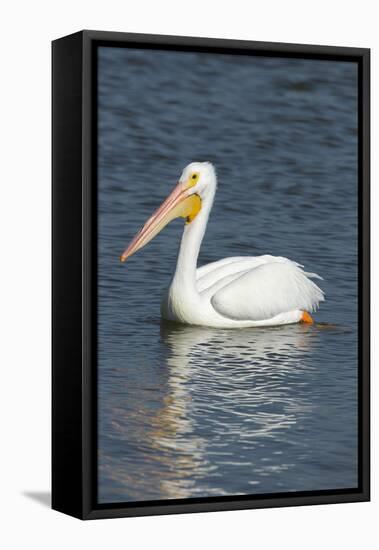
x=27, y=27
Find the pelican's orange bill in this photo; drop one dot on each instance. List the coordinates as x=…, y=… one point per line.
x=180, y=203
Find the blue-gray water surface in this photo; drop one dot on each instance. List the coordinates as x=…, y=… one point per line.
x=191, y=411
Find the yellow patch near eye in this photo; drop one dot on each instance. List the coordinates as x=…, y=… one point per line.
x=193, y=179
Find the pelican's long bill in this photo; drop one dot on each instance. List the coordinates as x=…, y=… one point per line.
x=180, y=203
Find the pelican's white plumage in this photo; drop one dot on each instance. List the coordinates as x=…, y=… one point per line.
x=233, y=292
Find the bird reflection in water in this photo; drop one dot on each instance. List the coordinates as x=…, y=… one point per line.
x=232, y=401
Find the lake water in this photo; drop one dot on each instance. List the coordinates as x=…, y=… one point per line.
x=190, y=411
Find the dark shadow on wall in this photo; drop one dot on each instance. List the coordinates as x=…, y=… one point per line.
x=42, y=497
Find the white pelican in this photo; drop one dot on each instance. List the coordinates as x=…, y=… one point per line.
x=250, y=291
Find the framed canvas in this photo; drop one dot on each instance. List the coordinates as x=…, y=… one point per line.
x=232, y=375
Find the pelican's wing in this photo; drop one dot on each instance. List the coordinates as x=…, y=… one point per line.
x=210, y=274
x=265, y=291
x=214, y=266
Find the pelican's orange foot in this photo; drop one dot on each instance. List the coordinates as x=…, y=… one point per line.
x=306, y=318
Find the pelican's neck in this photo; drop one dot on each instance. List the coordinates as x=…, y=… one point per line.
x=185, y=273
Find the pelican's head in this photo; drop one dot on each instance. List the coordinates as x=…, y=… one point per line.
x=196, y=184
x=200, y=178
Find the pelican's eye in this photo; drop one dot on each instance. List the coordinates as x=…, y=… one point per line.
x=193, y=179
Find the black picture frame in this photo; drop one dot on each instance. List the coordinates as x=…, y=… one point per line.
x=74, y=416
